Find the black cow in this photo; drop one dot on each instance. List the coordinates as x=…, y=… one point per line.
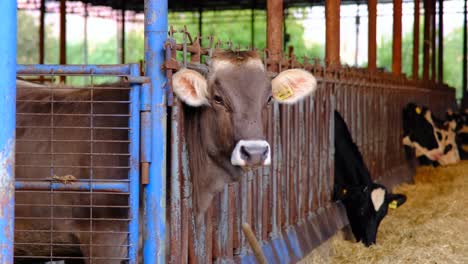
x=420, y=134
x=366, y=202
x=461, y=129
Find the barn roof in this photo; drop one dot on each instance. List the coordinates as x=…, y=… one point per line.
x=194, y=5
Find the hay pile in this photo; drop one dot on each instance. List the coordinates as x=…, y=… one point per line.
x=431, y=227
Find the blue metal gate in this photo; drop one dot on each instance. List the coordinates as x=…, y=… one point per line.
x=77, y=167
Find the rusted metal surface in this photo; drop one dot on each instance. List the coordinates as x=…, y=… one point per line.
x=63, y=35
x=332, y=32
x=288, y=205
x=396, y=44
x=433, y=40
x=372, y=35
x=274, y=32
x=426, y=39
x=440, y=41
x=416, y=37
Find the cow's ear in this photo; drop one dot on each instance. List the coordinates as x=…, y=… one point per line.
x=293, y=85
x=190, y=87
x=395, y=200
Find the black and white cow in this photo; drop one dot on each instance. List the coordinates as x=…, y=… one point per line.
x=461, y=129
x=366, y=202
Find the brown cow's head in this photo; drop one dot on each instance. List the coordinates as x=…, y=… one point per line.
x=226, y=114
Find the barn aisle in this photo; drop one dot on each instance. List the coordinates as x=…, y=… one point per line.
x=432, y=227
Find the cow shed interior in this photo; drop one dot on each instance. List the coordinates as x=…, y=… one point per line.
x=288, y=204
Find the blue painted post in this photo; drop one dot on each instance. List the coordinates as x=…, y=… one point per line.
x=7, y=130
x=154, y=246
x=134, y=174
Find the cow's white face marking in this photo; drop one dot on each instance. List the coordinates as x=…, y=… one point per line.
x=433, y=154
x=377, y=197
x=262, y=146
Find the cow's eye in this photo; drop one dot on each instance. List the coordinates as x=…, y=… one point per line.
x=270, y=99
x=217, y=99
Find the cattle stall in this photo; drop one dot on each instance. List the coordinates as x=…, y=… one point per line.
x=289, y=204
x=144, y=158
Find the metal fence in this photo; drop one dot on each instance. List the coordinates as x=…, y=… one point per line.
x=77, y=167
x=289, y=204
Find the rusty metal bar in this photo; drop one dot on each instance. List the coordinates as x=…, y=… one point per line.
x=372, y=37
x=433, y=40
x=274, y=32
x=122, y=34
x=63, y=35
x=440, y=70
x=465, y=56
x=41, y=32
x=396, y=45
x=426, y=43
x=332, y=32
x=416, y=37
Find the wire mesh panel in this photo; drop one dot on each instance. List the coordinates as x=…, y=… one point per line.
x=76, y=172
x=289, y=204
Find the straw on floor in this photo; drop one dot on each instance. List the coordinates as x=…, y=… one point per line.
x=431, y=227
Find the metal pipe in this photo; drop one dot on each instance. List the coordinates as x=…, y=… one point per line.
x=332, y=32
x=433, y=40
x=274, y=32
x=252, y=24
x=356, y=50
x=465, y=50
x=120, y=187
x=396, y=54
x=41, y=32
x=372, y=38
x=134, y=173
x=8, y=30
x=426, y=43
x=122, y=34
x=154, y=238
x=63, y=35
x=38, y=69
x=416, y=40
x=440, y=70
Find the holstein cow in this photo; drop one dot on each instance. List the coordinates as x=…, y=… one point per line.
x=225, y=117
x=366, y=202
x=420, y=134
x=461, y=130
x=446, y=131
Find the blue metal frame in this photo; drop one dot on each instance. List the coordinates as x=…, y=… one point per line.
x=154, y=238
x=8, y=30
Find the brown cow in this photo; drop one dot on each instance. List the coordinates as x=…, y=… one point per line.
x=73, y=141
x=225, y=117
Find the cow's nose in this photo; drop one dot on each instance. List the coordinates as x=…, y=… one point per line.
x=251, y=153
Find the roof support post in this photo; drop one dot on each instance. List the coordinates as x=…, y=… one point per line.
x=372, y=38
x=332, y=32
x=440, y=70
x=63, y=35
x=274, y=32
x=416, y=40
x=396, y=46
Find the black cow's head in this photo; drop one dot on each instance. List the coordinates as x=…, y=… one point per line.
x=420, y=133
x=366, y=206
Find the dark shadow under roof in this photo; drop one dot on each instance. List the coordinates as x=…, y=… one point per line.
x=193, y=5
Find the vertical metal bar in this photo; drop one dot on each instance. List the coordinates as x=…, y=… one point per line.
x=134, y=173
x=396, y=54
x=332, y=32
x=154, y=244
x=356, y=48
x=433, y=40
x=41, y=32
x=252, y=24
x=63, y=35
x=122, y=34
x=465, y=59
x=440, y=71
x=465, y=51
x=85, y=33
x=426, y=42
x=7, y=132
x=416, y=40
x=372, y=37
x=274, y=31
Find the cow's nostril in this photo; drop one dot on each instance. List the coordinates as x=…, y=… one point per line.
x=265, y=153
x=244, y=153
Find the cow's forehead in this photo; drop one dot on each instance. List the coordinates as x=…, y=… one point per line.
x=223, y=65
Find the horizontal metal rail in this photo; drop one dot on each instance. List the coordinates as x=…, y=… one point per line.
x=75, y=186
x=103, y=70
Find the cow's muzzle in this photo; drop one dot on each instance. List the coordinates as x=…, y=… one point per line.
x=248, y=153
